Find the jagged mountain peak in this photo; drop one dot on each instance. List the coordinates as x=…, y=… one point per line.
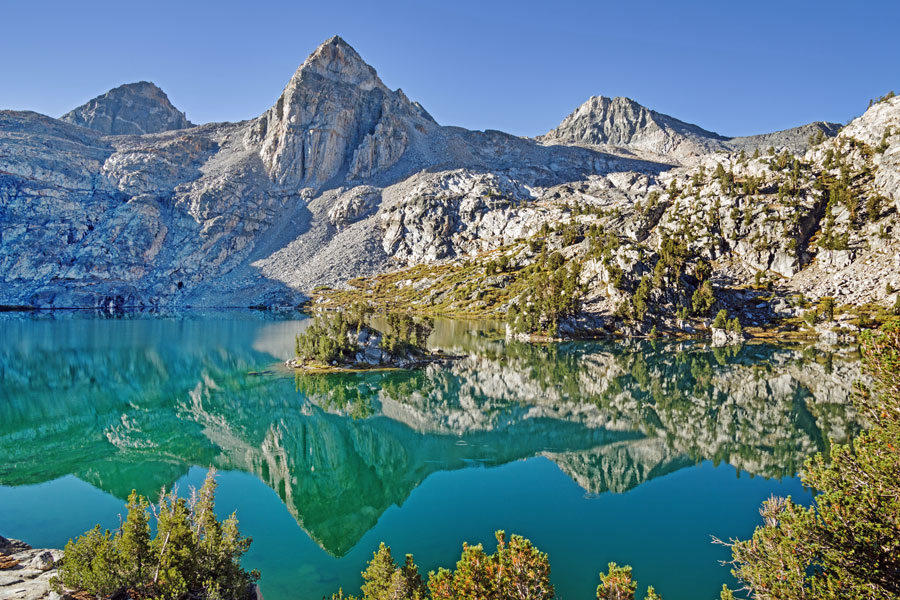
x=621, y=121
x=133, y=108
x=334, y=119
x=338, y=61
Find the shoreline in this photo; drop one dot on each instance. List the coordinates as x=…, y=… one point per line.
x=25, y=572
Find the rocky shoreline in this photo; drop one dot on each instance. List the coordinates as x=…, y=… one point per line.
x=25, y=572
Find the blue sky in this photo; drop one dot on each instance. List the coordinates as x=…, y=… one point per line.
x=737, y=68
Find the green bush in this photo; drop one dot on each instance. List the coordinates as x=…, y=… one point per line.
x=327, y=339
x=515, y=571
x=826, y=307
x=641, y=296
x=193, y=554
x=551, y=293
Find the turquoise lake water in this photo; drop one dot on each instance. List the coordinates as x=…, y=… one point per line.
x=632, y=452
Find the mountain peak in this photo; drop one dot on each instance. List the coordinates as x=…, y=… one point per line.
x=336, y=117
x=337, y=60
x=130, y=109
x=621, y=121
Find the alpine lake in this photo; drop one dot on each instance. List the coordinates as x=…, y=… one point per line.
x=631, y=451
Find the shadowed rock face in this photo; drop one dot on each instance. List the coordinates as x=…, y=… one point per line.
x=130, y=109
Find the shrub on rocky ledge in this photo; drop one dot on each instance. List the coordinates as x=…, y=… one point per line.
x=193, y=554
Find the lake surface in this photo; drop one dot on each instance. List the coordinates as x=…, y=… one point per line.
x=632, y=452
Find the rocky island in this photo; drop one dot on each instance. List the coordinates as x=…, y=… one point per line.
x=346, y=342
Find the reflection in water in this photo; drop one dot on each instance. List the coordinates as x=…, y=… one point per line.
x=134, y=403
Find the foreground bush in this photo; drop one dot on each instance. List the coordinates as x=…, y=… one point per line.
x=847, y=545
x=193, y=555
x=516, y=571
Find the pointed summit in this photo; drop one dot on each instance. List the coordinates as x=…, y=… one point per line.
x=335, y=118
x=336, y=60
x=623, y=122
x=130, y=109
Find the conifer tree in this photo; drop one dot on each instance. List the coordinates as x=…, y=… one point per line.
x=846, y=546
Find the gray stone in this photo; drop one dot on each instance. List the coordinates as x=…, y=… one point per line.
x=133, y=108
x=344, y=178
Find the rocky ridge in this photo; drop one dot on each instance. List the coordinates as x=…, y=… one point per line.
x=622, y=122
x=344, y=178
x=773, y=237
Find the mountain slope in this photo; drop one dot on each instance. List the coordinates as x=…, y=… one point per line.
x=345, y=178
x=235, y=213
x=130, y=109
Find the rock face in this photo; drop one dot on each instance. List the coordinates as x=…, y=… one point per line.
x=130, y=109
x=335, y=117
x=345, y=178
x=25, y=572
x=795, y=140
x=623, y=122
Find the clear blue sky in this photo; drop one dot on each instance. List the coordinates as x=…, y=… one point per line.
x=519, y=66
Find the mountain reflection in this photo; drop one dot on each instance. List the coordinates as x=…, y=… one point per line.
x=136, y=405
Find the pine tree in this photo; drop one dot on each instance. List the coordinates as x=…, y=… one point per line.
x=616, y=584
x=133, y=545
x=378, y=574
x=847, y=544
x=721, y=320
x=703, y=299
x=193, y=555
